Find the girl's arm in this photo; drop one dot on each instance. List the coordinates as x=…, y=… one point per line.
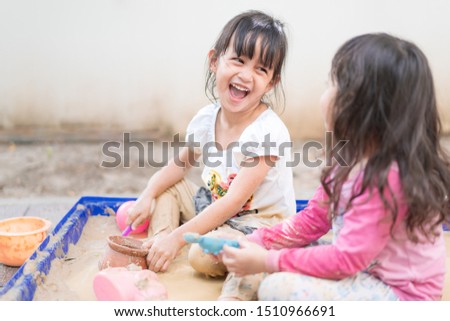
x=164, y=249
x=244, y=185
x=299, y=230
x=169, y=175
x=365, y=232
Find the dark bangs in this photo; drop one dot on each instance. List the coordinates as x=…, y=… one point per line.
x=271, y=42
x=246, y=29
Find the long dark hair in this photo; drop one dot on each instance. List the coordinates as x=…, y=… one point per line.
x=385, y=107
x=246, y=29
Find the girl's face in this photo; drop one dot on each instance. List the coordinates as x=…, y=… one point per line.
x=326, y=103
x=241, y=82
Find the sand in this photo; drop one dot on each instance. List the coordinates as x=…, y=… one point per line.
x=71, y=278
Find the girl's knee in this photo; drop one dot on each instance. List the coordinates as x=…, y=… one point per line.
x=205, y=263
x=280, y=286
x=241, y=288
x=267, y=287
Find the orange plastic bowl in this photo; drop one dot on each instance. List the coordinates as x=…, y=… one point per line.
x=20, y=237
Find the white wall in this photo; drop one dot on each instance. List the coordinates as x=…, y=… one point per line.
x=140, y=64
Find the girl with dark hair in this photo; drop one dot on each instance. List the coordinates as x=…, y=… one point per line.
x=386, y=205
x=242, y=141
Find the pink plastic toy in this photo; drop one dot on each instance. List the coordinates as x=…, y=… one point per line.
x=121, y=219
x=121, y=284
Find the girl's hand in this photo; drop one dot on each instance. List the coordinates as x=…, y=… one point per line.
x=140, y=211
x=250, y=258
x=163, y=248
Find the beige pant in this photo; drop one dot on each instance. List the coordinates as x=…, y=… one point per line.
x=173, y=207
x=176, y=206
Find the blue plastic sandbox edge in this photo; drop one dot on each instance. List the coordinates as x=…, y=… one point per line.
x=22, y=286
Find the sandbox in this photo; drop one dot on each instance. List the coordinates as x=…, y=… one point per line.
x=64, y=265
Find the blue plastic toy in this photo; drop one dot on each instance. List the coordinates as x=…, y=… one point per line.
x=210, y=245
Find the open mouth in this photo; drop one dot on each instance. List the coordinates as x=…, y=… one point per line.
x=238, y=91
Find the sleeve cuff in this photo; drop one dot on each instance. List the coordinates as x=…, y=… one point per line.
x=255, y=238
x=272, y=261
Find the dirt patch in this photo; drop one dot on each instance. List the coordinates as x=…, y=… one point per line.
x=72, y=169
x=79, y=167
